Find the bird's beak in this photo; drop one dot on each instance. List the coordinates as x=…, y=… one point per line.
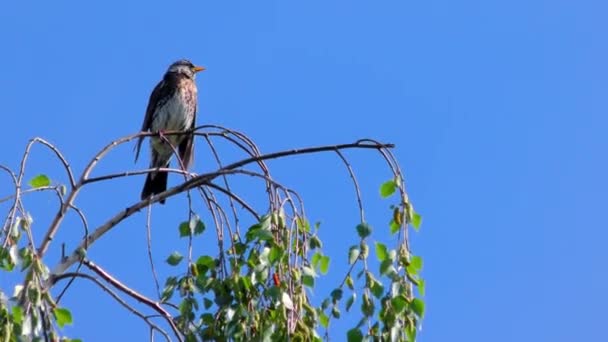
x=199, y=68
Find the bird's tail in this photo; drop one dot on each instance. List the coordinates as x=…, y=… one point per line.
x=156, y=182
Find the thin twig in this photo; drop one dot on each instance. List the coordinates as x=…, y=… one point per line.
x=195, y=182
x=219, y=163
x=116, y=297
x=135, y=295
x=234, y=196
x=149, y=247
x=356, y=184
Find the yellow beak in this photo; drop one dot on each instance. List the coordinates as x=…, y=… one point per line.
x=199, y=68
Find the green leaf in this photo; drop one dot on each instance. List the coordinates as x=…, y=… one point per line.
x=415, y=265
x=388, y=188
x=186, y=306
x=17, y=314
x=377, y=289
x=416, y=221
x=309, y=271
x=421, y=287
x=364, y=230
x=394, y=227
x=207, y=303
x=314, y=242
x=39, y=181
x=275, y=254
x=399, y=303
x=33, y=294
x=308, y=280
x=316, y=258
x=353, y=254
x=324, y=264
x=62, y=316
x=15, y=233
x=381, y=251
x=411, y=332
x=174, y=258
x=323, y=320
x=417, y=306
x=259, y=233
x=184, y=229
x=364, y=250
x=240, y=248
x=335, y=312
x=416, y=262
x=170, y=284
x=336, y=295
x=206, y=261
x=303, y=224
x=25, y=254
x=367, y=306
x=208, y=319
x=349, y=282
x=196, y=225
x=265, y=222
x=385, y=266
x=354, y=335
x=350, y=301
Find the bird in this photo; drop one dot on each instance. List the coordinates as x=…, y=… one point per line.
x=172, y=107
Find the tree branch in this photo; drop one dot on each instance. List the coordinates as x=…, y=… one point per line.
x=133, y=294
x=116, y=297
x=198, y=181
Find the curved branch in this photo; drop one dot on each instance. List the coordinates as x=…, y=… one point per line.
x=356, y=184
x=135, y=295
x=235, y=197
x=116, y=297
x=196, y=182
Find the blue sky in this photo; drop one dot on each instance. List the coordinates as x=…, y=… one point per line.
x=497, y=109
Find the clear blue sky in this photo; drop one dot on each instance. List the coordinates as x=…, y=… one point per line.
x=498, y=110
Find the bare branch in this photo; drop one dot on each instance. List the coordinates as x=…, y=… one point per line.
x=149, y=247
x=356, y=184
x=116, y=297
x=195, y=182
x=235, y=197
x=135, y=295
x=219, y=163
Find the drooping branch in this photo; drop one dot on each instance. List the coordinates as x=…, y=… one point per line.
x=197, y=181
x=131, y=293
x=288, y=223
x=116, y=297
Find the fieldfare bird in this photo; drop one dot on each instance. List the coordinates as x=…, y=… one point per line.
x=172, y=107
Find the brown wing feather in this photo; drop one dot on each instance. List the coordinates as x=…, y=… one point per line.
x=160, y=92
x=186, y=147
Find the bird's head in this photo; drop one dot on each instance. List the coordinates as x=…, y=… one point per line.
x=185, y=67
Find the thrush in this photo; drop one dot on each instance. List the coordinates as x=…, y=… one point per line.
x=172, y=107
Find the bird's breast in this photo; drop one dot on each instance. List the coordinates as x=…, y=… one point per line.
x=177, y=113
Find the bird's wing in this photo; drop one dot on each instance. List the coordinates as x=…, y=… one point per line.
x=186, y=147
x=160, y=92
